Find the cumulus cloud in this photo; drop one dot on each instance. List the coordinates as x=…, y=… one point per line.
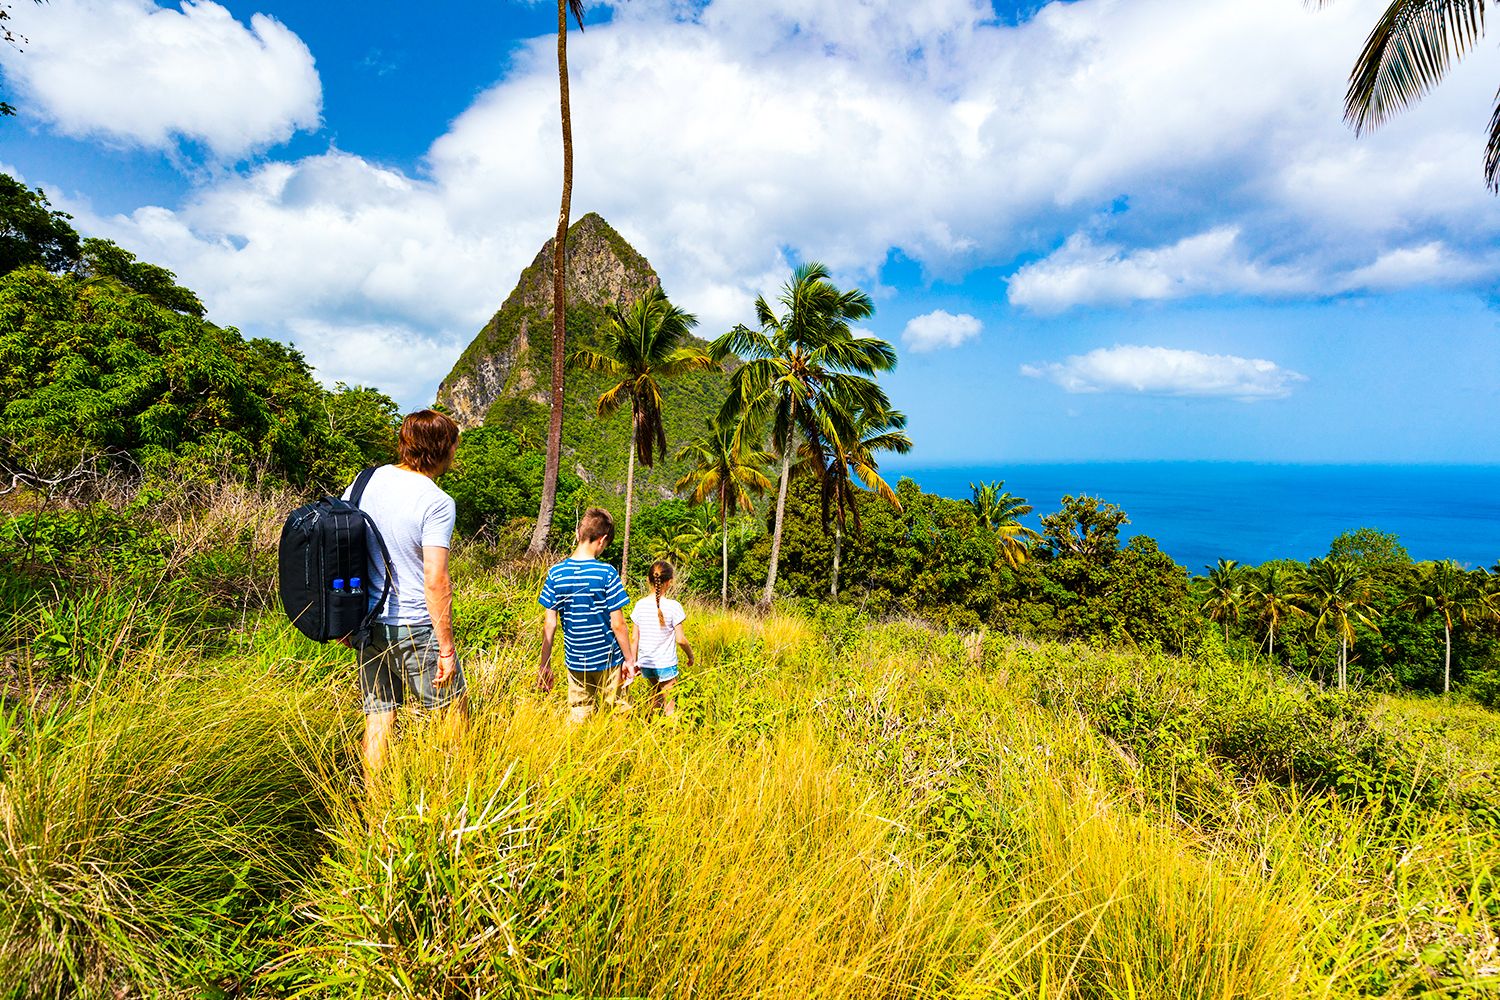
x=132, y=72
x=1107, y=136
x=939, y=329
x=1165, y=371
x=1083, y=272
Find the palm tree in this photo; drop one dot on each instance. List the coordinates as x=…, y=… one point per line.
x=793, y=364
x=851, y=459
x=1408, y=53
x=641, y=347
x=1458, y=596
x=559, y=304
x=1272, y=593
x=727, y=469
x=1339, y=594
x=688, y=542
x=1224, y=593
x=1001, y=511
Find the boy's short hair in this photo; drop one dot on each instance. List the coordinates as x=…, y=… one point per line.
x=595, y=524
x=427, y=440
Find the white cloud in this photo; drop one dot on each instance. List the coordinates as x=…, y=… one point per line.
x=1428, y=264
x=1153, y=149
x=939, y=329
x=1083, y=272
x=138, y=74
x=1164, y=371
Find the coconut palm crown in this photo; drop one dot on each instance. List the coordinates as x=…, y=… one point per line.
x=796, y=365
x=727, y=469
x=851, y=460
x=642, y=346
x=1001, y=511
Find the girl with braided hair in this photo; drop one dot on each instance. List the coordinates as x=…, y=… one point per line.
x=656, y=634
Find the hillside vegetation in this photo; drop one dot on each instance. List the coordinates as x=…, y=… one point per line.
x=846, y=807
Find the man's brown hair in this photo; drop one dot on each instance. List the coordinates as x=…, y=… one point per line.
x=595, y=524
x=427, y=441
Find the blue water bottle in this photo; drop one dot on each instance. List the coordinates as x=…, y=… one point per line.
x=338, y=585
x=355, y=585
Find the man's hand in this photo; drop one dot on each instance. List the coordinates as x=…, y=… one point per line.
x=629, y=670
x=544, y=677
x=447, y=667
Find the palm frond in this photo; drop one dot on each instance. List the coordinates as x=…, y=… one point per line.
x=596, y=361
x=1411, y=49
x=610, y=401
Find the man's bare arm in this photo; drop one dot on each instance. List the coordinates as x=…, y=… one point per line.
x=438, y=587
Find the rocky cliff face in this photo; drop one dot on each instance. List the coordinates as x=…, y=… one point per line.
x=511, y=357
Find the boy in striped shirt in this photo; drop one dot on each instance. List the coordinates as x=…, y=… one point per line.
x=588, y=599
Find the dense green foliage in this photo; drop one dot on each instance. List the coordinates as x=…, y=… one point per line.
x=929, y=557
x=1395, y=633
x=495, y=482
x=104, y=358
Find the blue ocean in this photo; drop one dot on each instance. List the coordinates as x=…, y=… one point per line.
x=1203, y=511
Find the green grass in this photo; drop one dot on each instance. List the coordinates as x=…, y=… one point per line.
x=843, y=808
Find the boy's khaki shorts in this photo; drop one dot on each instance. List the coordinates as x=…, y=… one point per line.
x=587, y=688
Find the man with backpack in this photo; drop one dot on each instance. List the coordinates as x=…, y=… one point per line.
x=410, y=644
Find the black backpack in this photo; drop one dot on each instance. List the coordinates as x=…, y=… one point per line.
x=323, y=565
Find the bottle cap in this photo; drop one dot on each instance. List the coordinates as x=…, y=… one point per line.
x=338, y=583
x=354, y=583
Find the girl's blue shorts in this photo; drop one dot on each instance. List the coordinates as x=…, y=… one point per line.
x=659, y=675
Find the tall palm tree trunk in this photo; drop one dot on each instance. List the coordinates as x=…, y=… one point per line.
x=838, y=547
x=559, y=312
x=1447, y=653
x=1343, y=663
x=1271, y=643
x=724, y=554
x=629, y=496
x=786, y=473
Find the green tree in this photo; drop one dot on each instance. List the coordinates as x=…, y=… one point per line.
x=727, y=470
x=495, y=481
x=32, y=231
x=1337, y=594
x=1271, y=594
x=559, y=275
x=1224, y=593
x=794, y=365
x=98, y=368
x=1001, y=511
x=1370, y=549
x=1449, y=592
x=1085, y=527
x=851, y=447
x=103, y=260
x=1411, y=48
x=641, y=345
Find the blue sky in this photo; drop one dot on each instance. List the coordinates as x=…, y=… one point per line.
x=1105, y=229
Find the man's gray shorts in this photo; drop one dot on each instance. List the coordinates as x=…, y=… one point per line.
x=399, y=658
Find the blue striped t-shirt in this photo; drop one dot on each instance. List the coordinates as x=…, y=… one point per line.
x=584, y=592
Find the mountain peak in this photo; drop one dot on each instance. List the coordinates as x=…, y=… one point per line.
x=601, y=268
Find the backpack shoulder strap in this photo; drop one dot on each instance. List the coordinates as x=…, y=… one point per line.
x=360, y=482
x=362, y=635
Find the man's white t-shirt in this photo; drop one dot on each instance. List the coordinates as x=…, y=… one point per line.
x=658, y=643
x=410, y=511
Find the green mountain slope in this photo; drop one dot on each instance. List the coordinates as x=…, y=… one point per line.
x=502, y=377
